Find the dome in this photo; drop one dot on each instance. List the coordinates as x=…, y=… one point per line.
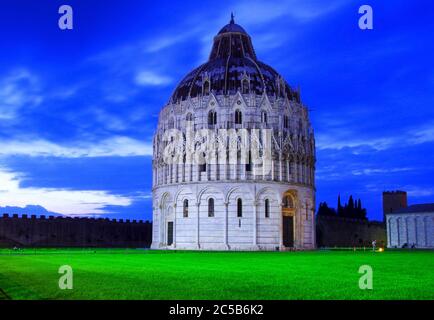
x=232, y=27
x=233, y=66
x=228, y=175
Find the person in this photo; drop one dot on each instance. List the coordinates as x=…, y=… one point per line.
x=374, y=244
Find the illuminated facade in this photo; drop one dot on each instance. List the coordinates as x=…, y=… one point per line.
x=232, y=206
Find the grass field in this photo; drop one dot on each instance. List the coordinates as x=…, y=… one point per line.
x=144, y=274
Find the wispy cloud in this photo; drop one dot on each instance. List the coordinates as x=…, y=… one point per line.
x=414, y=191
x=150, y=78
x=18, y=89
x=372, y=171
x=338, y=142
x=422, y=134
x=166, y=41
x=62, y=201
x=340, y=138
x=259, y=11
x=115, y=146
x=108, y=120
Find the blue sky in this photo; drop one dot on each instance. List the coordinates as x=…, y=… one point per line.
x=78, y=108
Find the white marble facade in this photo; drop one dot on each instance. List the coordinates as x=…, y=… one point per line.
x=413, y=229
x=231, y=206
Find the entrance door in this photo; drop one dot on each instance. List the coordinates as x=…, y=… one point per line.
x=169, y=233
x=288, y=231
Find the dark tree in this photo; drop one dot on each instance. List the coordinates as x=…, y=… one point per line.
x=340, y=209
x=352, y=209
x=351, y=205
x=324, y=210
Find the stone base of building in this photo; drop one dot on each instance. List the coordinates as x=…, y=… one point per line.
x=236, y=247
x=263, y=216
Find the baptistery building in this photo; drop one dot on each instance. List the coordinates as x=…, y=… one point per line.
x=234, y=157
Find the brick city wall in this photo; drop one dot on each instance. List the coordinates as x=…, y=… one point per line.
x=347, y=232
x=52, y=231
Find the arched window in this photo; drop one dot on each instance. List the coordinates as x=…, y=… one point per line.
x=212, y=117
x=239, y=208
x=264, y=118
x=288, y=202
x=185, y=208
x=202, y=166
x=286, y=122
x=171, y=123
x=206, y=88
x=189, y=117
x=267, y=208
x=245, y=85
x=249, y=162
x=210, y=207
x=238, y=117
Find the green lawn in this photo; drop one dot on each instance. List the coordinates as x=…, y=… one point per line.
x=144, y=274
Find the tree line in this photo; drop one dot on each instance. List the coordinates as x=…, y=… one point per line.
x=351, y=209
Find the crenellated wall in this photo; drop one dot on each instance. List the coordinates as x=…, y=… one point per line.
x=347, y=232
x=32, y=231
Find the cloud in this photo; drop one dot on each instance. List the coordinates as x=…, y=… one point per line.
x=261, y=20
x=18, y=89
x=150, y=78
x=259, y=12
x=338, y=142
x=136, y=59
x=115, y=146
x=372, y=171
x=413, y=191
x=423, y=134
x=110, y=121
x=166, y=41
x=64, y=201
x=340, y=138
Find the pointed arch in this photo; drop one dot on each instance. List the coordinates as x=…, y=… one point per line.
x=238, y=117
x=264, y=117
x=212, y=117
x=206, y=88
x=245, y=86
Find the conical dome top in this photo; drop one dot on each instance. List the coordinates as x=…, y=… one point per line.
x=232, y=27
x=232, y=40
x=233, y=67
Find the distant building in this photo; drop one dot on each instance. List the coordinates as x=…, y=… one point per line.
x=408, y=226
x=393, y=201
